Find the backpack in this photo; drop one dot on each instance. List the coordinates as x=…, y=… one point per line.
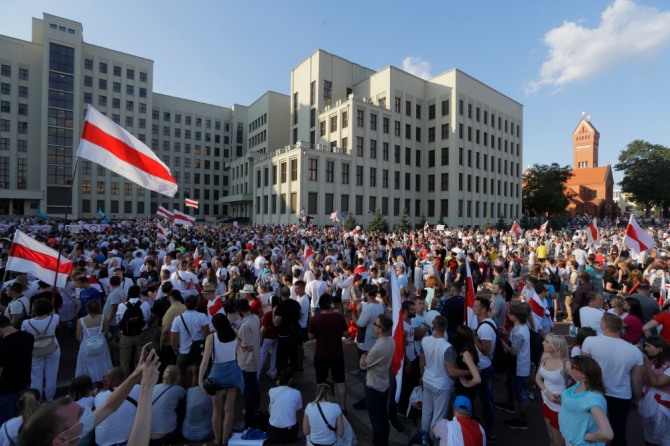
x=476, y=274
x=132, y=321
x=554, y=278
x=44, y=344
x=93, y=344
x=509, y=291
x=498, y=360
x=536, y=348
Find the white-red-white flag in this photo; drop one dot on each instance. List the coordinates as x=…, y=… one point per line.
x=543, y=228
x=161, y=232
x=636, y=238
x=334, y=218
x=426, y=226
x=398, y=359
x=191, y=203
x=592, y=233
x=469, y=317
x=27, y=255
x=308, y=256
x=183, y=219
x=196, y=259
x=162, y=212
x=516, y=229
x=111, y=146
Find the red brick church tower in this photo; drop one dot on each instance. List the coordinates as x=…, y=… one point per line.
x=590, y=190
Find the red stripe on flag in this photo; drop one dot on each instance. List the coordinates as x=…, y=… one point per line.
x=43, y=260
x=399, y=340
x=125, y=152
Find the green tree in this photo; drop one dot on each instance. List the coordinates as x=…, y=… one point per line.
x=403, y=221
x=501, y=224
x=349, y=222
x=378, y=223
x=487, y=224
x=643, y=164
x=543, y=189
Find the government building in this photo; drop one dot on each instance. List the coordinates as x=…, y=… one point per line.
x=345, y=139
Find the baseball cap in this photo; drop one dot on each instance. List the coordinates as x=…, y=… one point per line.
x=463, y=404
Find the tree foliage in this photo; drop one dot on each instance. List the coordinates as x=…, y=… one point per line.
x=543, y=189
x=645, y=166
x=378, y=223
x=501, y=224
x=403, y=221
x=349, y=222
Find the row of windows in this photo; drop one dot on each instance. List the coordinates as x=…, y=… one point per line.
x=21, y=127
x=6, y=71
x=6, y=89
x=509, y=126
x=167, y=116
x=490, y=142
x=5, y=107
x=116, y=86
x=117, y=70
x=114, y=207
x=21, y=144
x=21, y=173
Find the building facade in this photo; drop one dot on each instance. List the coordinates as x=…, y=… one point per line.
x=346, y=138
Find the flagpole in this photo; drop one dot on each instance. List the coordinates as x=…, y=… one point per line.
x=62, y=237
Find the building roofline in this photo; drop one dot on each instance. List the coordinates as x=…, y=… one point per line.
x=319, y=50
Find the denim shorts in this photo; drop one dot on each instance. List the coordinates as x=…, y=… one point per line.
x=227, y=374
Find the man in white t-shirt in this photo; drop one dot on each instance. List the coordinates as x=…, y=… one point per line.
x=314, y=289
x=185, y=281
x=592, y=313
x=116, y=428
x=187, y=328
x=622, y=367
x=485, y=341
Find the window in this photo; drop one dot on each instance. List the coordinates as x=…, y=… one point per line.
x=5, y=88
x=385, y=178
x=88, y=81
x=408, y=108
x=329, y=199
x=345, y=173
x=373, y=121
x=444, y=182
x=408, y=156
x=397, y=104
x=22, y=173
x=22, y=127
x=373, y=177
x=396, y=154
x=359, y=146
x=373, y=149
x=88, y=64
x=396, y=180
x=460, y=182
x=360, y=118
x=330, y=171
x=23, y=91
x=408, y=131
x=385, y=124
x=396, y=128
x=283, y=172
x=322, y=128
x=418, y=111
x=22, y=145
x=445, y=107
x=102, y=101
x=418, y=134
x=417, y=158
x=130, y=90
x=333, y=123
x=460, y=107
x=345, y=119
x=130, y=74
x=23, y=74
x=116, y=103
x=294, y=170
x=327, y=92
x=431, y=134
x=408, y=185
x=344, y=203
x=417, y=182
x=23, y=109
x=359, y=175
x=385, y=151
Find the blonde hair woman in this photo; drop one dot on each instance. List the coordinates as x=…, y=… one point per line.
x=322, y=423
x=552, y=379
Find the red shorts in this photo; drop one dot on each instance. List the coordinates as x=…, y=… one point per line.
x=550, y=415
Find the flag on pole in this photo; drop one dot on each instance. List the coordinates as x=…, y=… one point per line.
x=593, y=233
x=161, y=232
x=109, y=145
x=307, y=257
x=469, y=317
x=426, y=225
x=183, y=219
x=397, y=361
x=196, y=259
x=333, y=217
x=636, y=238
x=27, y=255
x=162, y=212
x=191, y=203
x=543, y=228
x=516, y=229
x=101, y=214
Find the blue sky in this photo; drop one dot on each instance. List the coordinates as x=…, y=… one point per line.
x=608, y=58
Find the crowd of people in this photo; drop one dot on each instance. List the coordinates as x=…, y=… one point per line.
x=175, y=335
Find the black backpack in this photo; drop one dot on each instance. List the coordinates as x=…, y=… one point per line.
x=536, y=348
x=554, y=278
x=132, y=321
x=498, y=360
x=476, y=274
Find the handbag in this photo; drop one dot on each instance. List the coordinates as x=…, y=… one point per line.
x=44, y=344
x=197, y=347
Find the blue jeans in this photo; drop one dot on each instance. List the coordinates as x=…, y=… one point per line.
x=486, y=397
x=252, y=397
x=377, y=403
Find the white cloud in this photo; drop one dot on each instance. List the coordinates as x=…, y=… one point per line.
x=627, y=33
x=417, y=67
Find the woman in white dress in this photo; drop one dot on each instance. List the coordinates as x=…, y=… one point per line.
x=46, y=359
x=93, y=359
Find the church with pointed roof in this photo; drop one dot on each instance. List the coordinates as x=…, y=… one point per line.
x=591, y=188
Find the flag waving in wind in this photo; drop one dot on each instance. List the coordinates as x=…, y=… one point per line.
x=191, y=203
x=516, y=229
x=183, y=219
x=636, y=238
x=333, y=217
x=398, y=335
x=27, y=255
x=592, y=233
x=161, y=232
x=109, y=145
x=162, y=212
x=543, y=228
x=469, y=317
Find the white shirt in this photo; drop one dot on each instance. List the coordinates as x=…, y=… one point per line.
x=616, y=358
x=284, y=403
x=591, y=317
x=185, y=282
x=319, y=432
x=116, y=428
x=486, y=333
x=315, y=289
x=164, y=408
x=195, y=322
x=304, y=310
x=146, y=311
x=19, y=306
x=435, y=372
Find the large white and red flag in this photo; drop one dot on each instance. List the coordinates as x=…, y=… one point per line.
x=592, y=233
x=27, y=255
x=636, y=238
x=191, y=203
x=307, y=257
x=469, y=317
x=162, y=212
x=516, y=229
x=398, y=359
x=161, y=232
x=543, y=228
x=111, y=146
x=183, y=219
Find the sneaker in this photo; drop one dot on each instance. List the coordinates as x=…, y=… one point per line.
x=490, y=438
x=360, y=405
x=358, y=372
x=516, y=424
x=395, y=424
x=505, y=407
x=567, y=319
x=531, y=396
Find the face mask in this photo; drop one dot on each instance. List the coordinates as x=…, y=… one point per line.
x=87, y=419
